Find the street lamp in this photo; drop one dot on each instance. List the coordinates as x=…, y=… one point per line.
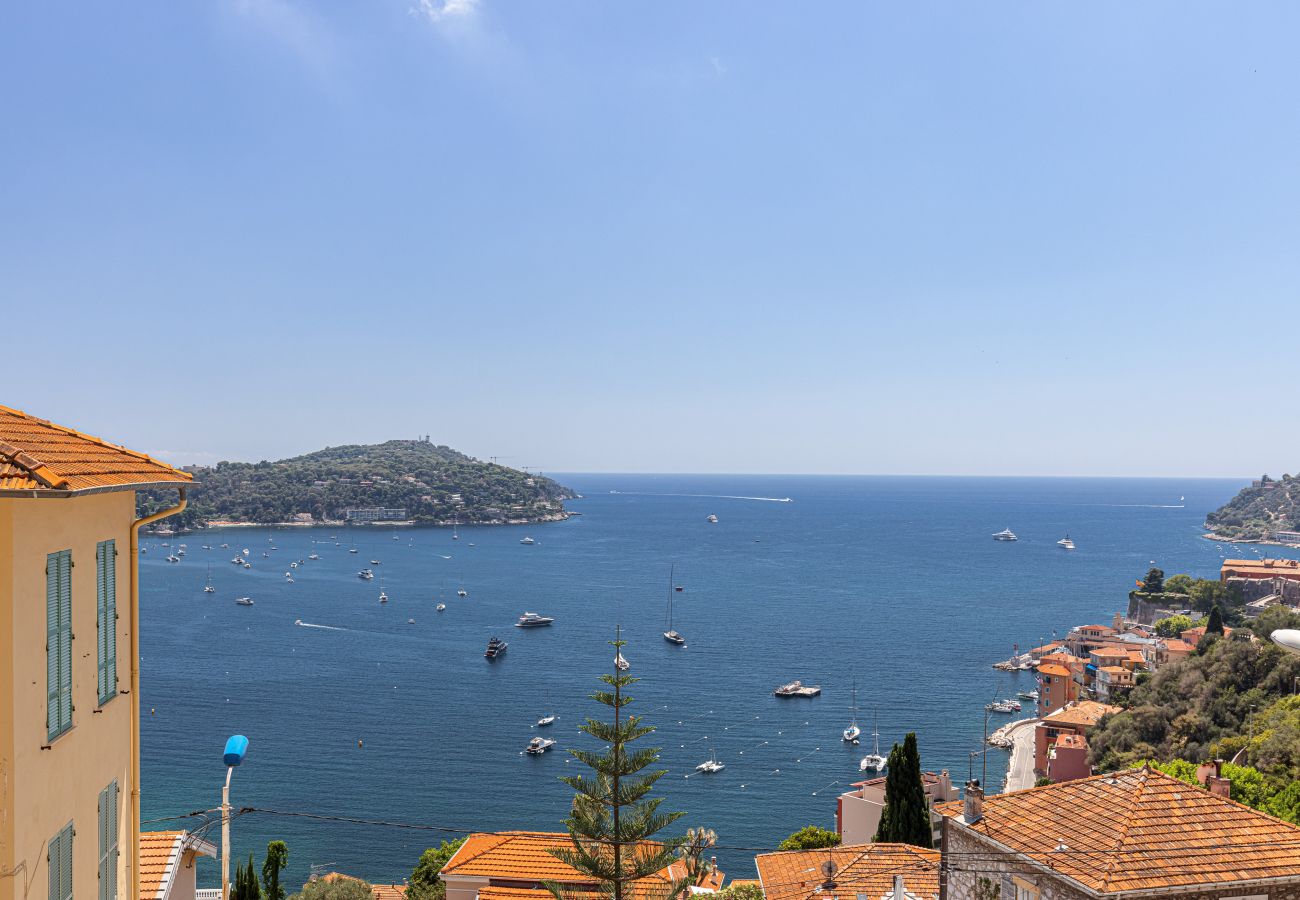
x=236, y=747
x=1287, y=639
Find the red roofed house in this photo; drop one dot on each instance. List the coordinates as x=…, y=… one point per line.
x=513, y=865
x=1077, y=718
x=857, y=812
x=1136, y=835
x=866, y=871
x=167, y=861
x=1067, y=759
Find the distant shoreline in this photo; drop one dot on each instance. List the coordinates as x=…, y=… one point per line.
x=217, y=524
x=1211, y=536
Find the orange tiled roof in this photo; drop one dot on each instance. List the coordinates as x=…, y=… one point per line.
x=388, y=891
x=1260, y=568
x=1055, y=670
x=524, y=856
x=160, y=854
x=1120, y=670
x=1139, y=830
x=39, y=456
x=863, y=869
x=1083, y=712
x=1070, y=739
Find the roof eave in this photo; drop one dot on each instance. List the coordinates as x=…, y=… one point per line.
x=60, y=494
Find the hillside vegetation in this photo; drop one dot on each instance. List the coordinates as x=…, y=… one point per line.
x=1259, y=510
x=433, y=483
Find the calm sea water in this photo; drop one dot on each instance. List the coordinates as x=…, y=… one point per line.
x=894, y=582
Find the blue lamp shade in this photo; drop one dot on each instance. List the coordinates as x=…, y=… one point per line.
x=236, y=747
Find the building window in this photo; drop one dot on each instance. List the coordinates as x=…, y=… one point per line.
x=106, y=616
x=58, y=643
x=108, y=831
x=1023, y=890
x=58, y=859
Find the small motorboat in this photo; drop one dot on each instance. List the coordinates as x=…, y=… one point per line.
x=314, y=556
x=289, y=580
x=375, y=562
x=527, y=540
x=209, y=589
x=797, y=689
x=462, y=593
x=440, y=607
x=712, y=519
x=495, y=647
x=365, y=574
x=297, y=621
x=1027, y=695
x=533, y=620
x=244, y=601
x=546, y=720
x=248, y=565
x=410, y=621
x=1003, y=706
x=539, y=745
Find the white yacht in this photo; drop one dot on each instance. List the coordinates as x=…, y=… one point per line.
x=711, y=765
x=798, y=689
x=546, y=720
x=873, y=761
x=461, y=592
x=527, y=540
x=440, y=607
x=365, y=574
x=1006, y=534
x=314, y=556
x=533, y=620
x=712, y=519
x=244, y=601
x=621, y=663
x=1027, y=695
x=1065, y=543
x=539, y=745
x=1003, y=706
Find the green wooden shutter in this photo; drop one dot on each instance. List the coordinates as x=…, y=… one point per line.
x=65, y=643
x=108, y=829
x=58, y=861
x=58, y=643
x=106, y=616
x=52, y=717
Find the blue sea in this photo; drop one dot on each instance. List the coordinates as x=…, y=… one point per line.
x=890, y=582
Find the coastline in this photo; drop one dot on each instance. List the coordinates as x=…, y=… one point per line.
x=217, y=524
x=1219, y=539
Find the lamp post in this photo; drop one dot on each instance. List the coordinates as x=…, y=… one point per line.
x=236, y=747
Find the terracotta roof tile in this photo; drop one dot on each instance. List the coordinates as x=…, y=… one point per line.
x=867, y=869
x=1138, y=830
x=388, y=891
x=1082, y=712
x=36, y=455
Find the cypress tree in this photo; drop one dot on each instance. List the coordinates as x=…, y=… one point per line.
x=906, y=816
x=1215, y=623
x=611, y=812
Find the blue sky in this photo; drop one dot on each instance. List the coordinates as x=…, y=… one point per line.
x=1019, y=238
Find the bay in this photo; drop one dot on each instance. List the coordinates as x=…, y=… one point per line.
x=892, y=581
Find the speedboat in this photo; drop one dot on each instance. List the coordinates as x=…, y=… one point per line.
x=383, y=598
x=209, y=589
x=533, y=620
x=539, y=745
x=495, y=647
x=289, y=580
x=314, y=556
x=546, y=720
x=527, y=540
x=1005, y=534
x=410, y=621
x=365, y=574
x=440, y=607
x=1065, y=543
x=374, y=562
x=353, y=550
x=713, y=520
x=1027, y=695
x=462, y=593
x=244, y=601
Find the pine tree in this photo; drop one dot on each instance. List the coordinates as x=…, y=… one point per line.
x=277, y=857
x=1215, y=623
x=906, y=816
x=612, y=815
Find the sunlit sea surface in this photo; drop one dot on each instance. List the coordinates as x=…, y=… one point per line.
x=892, y=582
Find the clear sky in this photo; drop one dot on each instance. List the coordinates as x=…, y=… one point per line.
x=1012, y=238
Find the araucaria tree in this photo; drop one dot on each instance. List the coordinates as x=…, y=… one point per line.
x=906, y=816
x=613, y=818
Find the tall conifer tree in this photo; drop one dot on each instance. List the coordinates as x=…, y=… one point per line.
x=906, y=816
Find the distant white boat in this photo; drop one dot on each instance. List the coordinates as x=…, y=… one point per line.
x=440, y=607
x=1065, y=543
x=539, y=745
x=533, y=620
x=244, y=601
x=208, y=588
x=547, y=720
x=711, y=765
x=1005, y=534
x=873, y=761
x=527, y=540
x=853, y=732
x=712, y=519
x=671, y=635
x=621, y=663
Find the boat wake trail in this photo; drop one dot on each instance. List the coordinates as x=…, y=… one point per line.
x=302, y=624
x=704, y=496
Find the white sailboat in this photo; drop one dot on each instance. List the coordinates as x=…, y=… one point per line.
x=672, y=636
x=383, y=598
x=873, y=762
x=621, y=663
x=208, y=588
x=853, y=732
x=711, y=765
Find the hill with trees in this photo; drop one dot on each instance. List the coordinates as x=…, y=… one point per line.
x=432, y=483
x=1268, y=505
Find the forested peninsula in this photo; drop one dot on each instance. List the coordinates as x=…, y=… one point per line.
x=1260, y=511
x=403, y=480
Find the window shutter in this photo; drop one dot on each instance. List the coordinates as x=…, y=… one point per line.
x=52, y=866
x=113, y=831
x=65, y=644
x=65, y=864
x=103, y=842
x=52, y=641
x=106, y=603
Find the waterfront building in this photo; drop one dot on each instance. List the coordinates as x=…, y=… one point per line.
x=514, y=865
x=867, y=871
x=1061, y=679
x=1076, y=718
x=1287, y=537
x=1137, y=834
x=69, y=679
x=1169, y=650
x=858, y=811
x=1264, y=569
x=375, y=514
x=1111, y=681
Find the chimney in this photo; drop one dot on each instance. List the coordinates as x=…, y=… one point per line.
x=973, y=805
x=1220, y=787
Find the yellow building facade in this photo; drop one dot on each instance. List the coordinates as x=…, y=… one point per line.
x=69, y=716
